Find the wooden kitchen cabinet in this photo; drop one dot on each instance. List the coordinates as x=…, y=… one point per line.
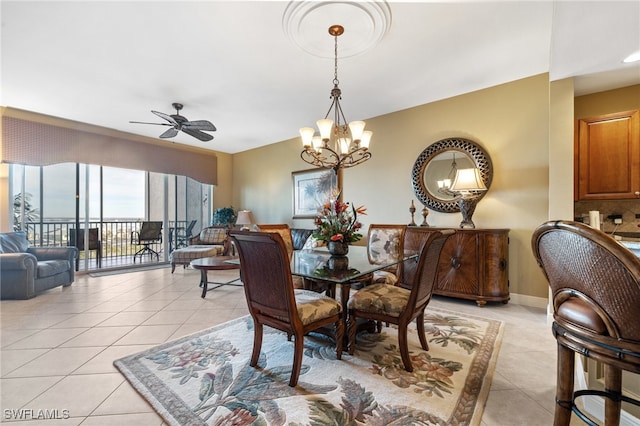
x=607, y=157
x=474, y=265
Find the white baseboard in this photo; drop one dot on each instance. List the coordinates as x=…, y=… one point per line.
x=523, y=299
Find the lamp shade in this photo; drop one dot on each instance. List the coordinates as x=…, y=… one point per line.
x=245, y=218
x=468, y=180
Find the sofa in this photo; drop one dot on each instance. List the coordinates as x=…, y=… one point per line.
x=27, y=271
x=210, y=242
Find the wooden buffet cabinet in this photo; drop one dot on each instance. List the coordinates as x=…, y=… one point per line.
x=474, y=265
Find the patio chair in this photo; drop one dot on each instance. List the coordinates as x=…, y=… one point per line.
x=183, y=234
x=150, y=233
x=272, y=300
x=595, y=285
x=94, y=243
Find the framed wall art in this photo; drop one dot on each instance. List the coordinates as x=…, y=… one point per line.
x=311, y=188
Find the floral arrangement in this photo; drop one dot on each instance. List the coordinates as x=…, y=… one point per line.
x=338, y=221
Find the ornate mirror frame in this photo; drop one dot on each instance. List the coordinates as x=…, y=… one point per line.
x=465, y=146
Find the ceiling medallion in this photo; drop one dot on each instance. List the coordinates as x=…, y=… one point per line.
x=304, y=21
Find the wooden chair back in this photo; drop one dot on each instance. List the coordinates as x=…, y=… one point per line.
x=424, y=270
x=266, y=275
x=579, y=261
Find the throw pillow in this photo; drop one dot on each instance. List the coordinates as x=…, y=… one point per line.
x=312, y=243
x=213, y=235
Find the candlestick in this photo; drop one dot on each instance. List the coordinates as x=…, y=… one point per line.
x=412, y=210
x=425, y=213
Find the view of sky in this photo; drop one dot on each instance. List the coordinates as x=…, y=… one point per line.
x=123, y=196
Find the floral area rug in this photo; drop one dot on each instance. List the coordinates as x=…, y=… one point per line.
x=205, y=378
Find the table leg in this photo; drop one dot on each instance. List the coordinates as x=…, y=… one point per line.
x=345, y=288
x=204, y=282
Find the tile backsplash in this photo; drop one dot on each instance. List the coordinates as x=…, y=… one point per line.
x=629, y=209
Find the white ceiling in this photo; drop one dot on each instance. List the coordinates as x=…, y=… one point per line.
x=232, y=62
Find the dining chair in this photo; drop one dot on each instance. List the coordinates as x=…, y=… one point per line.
x=397, y=305
x=384, y=243
x=273, y=301
x=285, y=232
x=595, y=286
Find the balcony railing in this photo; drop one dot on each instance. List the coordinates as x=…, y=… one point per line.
x=116, y=243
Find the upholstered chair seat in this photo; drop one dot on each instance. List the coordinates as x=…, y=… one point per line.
x=385, y=299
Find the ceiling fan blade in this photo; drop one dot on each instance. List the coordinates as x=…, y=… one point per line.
x=169, y=133
x=200, y=125
x=156, y=124
x=167, y=117
x=204, y=137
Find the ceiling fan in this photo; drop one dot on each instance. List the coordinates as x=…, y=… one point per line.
x=181, y=123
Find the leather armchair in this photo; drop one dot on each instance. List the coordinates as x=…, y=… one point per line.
x=26, y=271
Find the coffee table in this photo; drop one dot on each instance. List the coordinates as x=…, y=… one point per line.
x=217, y=263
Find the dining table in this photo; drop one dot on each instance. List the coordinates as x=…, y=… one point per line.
x=319, y=265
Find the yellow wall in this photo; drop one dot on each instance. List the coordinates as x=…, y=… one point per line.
x=222, y=196
x=510, y=121
x=624, y=99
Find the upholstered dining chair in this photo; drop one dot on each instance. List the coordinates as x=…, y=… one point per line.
x=595, y=285
x=272, y=300
x=384, y=243
x=397, y=305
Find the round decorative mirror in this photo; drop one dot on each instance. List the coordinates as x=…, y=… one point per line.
x=435, y=169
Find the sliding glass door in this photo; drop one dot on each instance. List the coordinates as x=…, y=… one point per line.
x=56, y=204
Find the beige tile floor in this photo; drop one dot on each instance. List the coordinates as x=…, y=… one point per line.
x=57, y=349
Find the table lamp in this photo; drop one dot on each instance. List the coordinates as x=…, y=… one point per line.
x=468, y=183
x=245, y=219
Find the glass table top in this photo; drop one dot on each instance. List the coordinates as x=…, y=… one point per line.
x=319, y=264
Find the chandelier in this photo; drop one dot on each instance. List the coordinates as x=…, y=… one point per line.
x=339, y=145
